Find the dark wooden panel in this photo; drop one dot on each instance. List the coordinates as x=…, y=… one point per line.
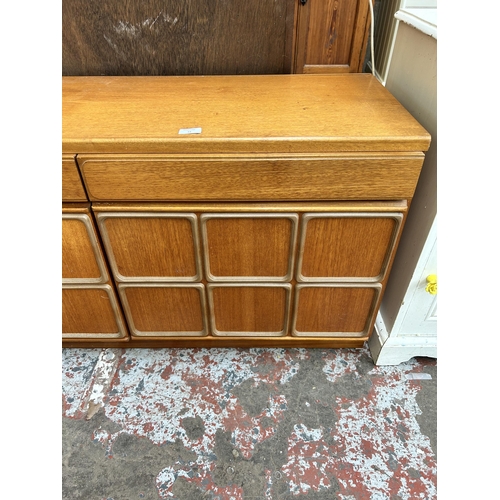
x=331, y=36
x=167, y=37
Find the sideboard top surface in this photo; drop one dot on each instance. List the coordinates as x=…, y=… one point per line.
x=236, y=114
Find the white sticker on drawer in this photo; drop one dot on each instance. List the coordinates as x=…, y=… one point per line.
x=186, y=131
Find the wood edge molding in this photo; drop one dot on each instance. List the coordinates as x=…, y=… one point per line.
x=283, y=145
x=257, y=207
x=215, y=342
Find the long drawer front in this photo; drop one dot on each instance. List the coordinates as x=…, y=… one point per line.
x=250, y=178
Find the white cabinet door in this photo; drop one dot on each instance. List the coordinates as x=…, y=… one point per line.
x=414, y=332
x=421, y=315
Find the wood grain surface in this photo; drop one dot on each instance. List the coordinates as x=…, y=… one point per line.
x=79, y=259
x=334, y=310
x=249, y=247
x=164, y=310
x=249, y=310
x=150, y=246
x=72, y=187
x=331, y=36
x=347, y=247
x=167, y=37
x=89, y=311
x=237, y=178
x=236, y=114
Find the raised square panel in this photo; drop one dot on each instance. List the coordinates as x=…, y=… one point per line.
x=249, y=247
x=347, y=246
x=91, y=311
x=249, y=310
x=161, y=310
x=82, y=261
x=151, y=247
x=340, y=310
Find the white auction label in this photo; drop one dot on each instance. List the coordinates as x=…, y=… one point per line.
x=186, y=131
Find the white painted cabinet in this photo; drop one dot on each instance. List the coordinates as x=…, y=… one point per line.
x=406, y=324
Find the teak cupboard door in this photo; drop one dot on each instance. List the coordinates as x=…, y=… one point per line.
x=82, y=258
x=335, y=310
x=91, y=311
x=347, y=246
x=249, y=247
x=153, y=247
x=162, y=310
x=249, y=309
x=90, y=308
x=331, y=36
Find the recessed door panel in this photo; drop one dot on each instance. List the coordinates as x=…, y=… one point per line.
x=82, y=260
x=249, y=247
x=249, y=310
x=334, y=310
x=151, y=246
x=91, y=311
x=347, y=246
x=164, y=310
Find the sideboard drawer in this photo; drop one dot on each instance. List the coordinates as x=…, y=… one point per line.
x=245, y=178
x=82, y=258
x=72, y=187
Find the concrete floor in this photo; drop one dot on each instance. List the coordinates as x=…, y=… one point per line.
x=252, y=424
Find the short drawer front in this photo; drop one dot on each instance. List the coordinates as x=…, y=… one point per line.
x=91, y=311
x=245, y=178
x=163, y=310
x=72, y=187
x=82, y=258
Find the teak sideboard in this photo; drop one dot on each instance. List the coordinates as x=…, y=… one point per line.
x=231, y=210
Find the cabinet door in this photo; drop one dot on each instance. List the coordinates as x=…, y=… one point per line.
x=82, y=258
x=347, y=246
x=90, y=308
x=249, y=247
x=91, y=311
x=247, y=310
x=331, y=36
x=335, y=310
x=163, y=310
x=151, y=247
